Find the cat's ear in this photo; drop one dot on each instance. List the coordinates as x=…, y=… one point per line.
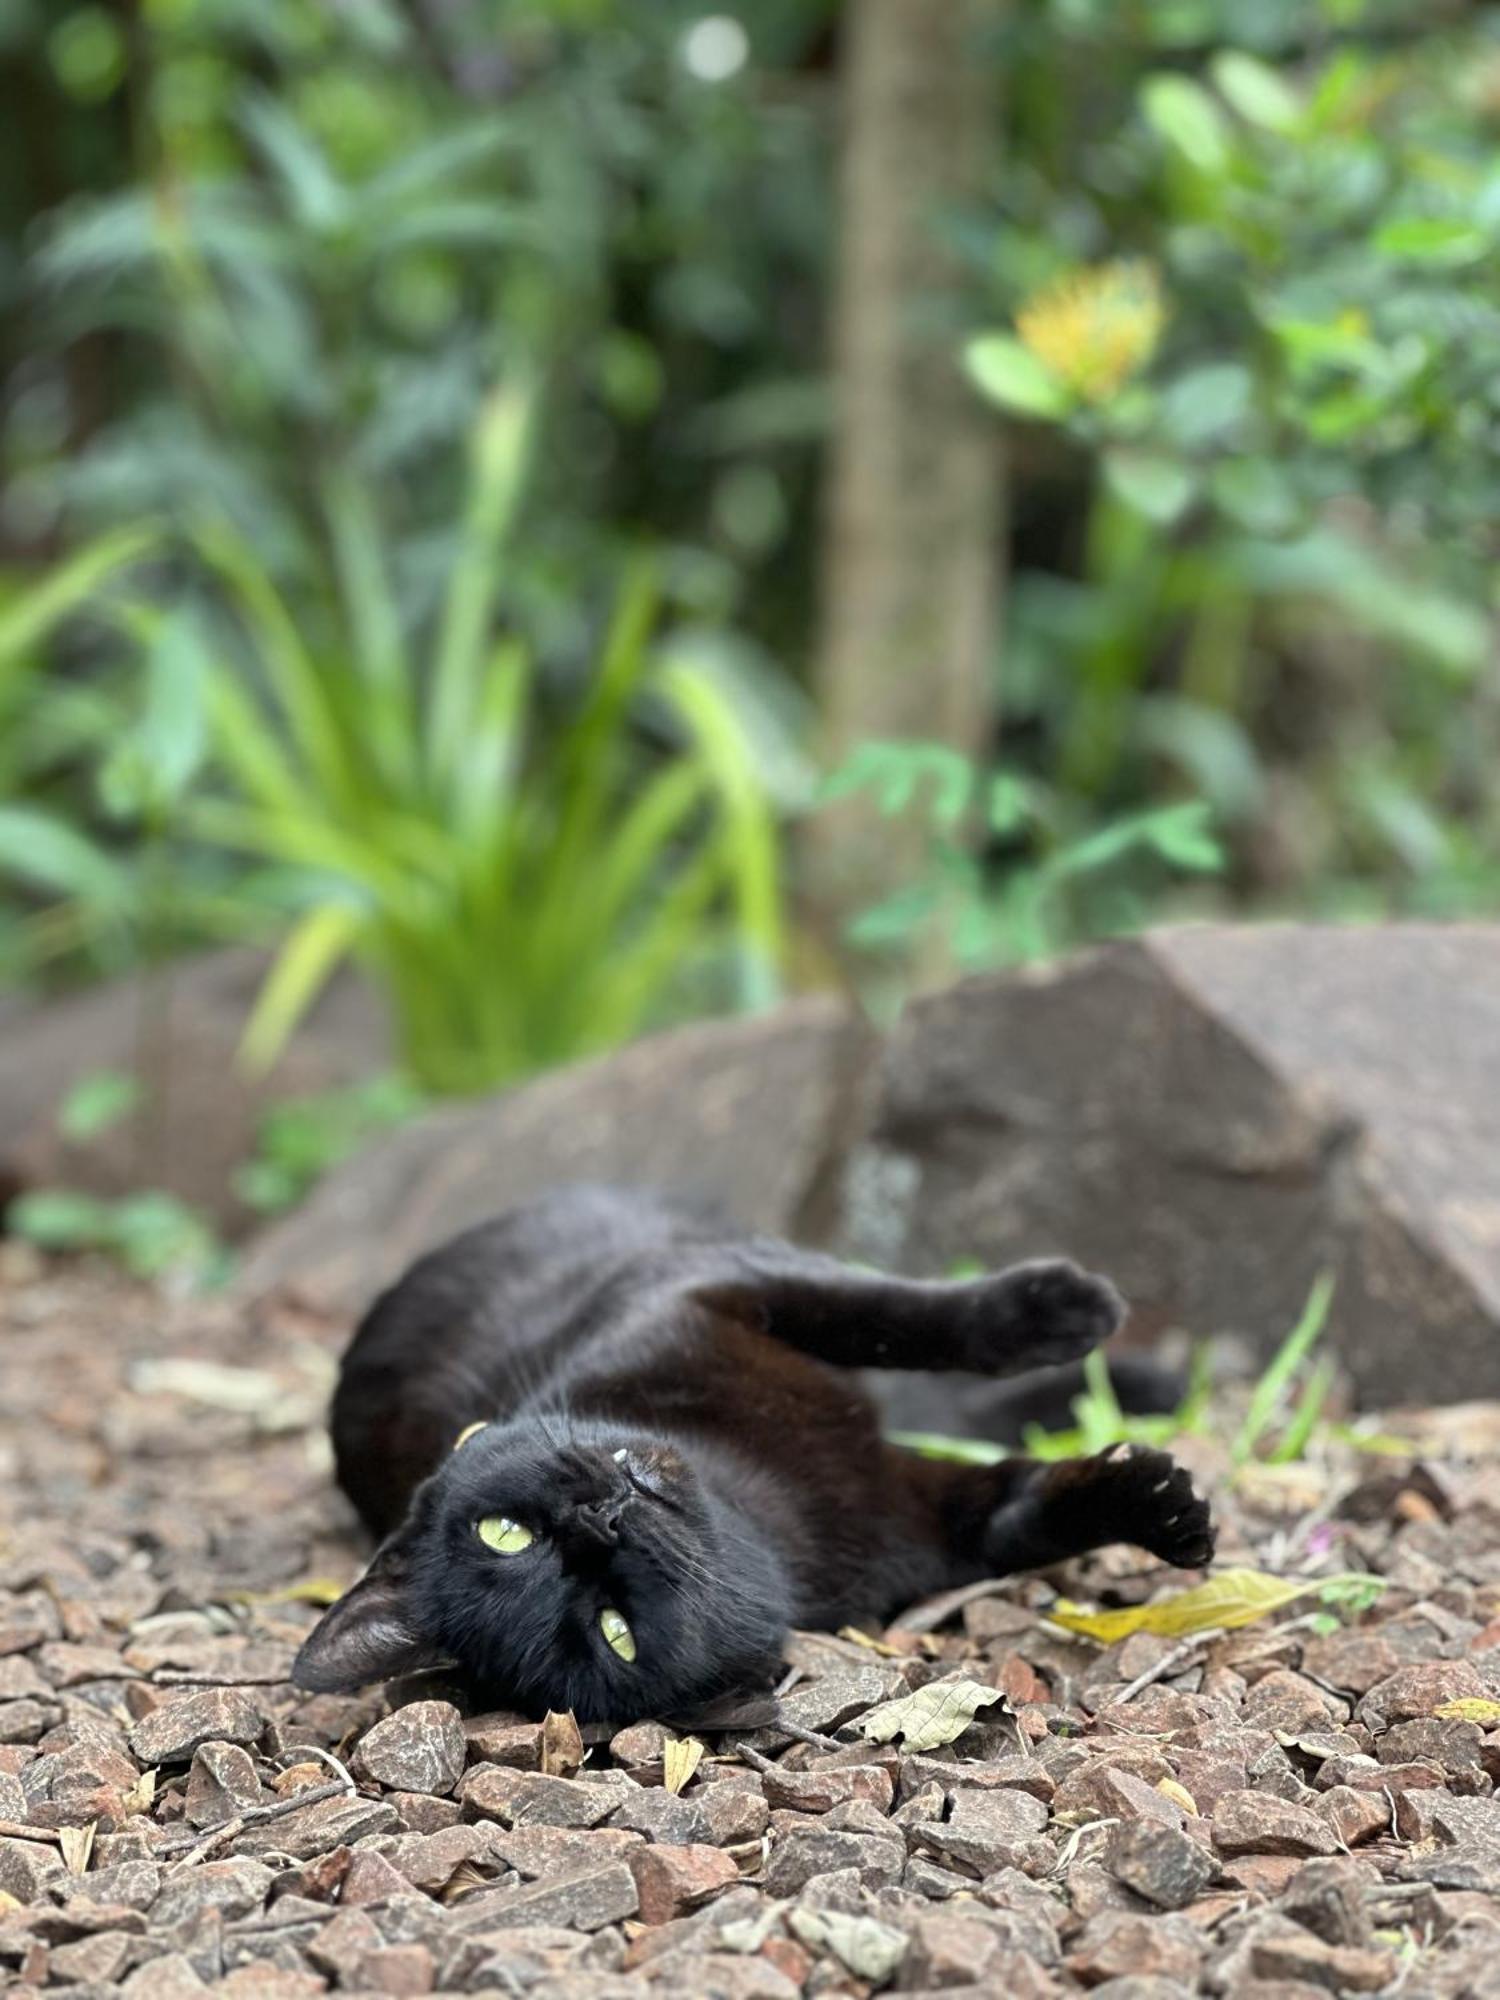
x=368, y=1635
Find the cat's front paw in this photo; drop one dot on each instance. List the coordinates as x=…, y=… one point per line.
x=1153, y=1503
x=1045, y=1314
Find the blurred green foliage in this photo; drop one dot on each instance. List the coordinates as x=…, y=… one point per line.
x=325, y=682
x=1246, y=253
x=265, y=263
x=1004, y=880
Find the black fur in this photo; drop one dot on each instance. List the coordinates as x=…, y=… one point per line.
x=672, y=1413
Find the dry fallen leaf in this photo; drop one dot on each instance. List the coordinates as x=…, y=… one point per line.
x=77, y=1844
x=562, y=1745
x=680, y=1757
x=212, y=1383
x=1471, y=1708
x=931, y=1717
x=1232, y=1598
x=142, y=1794
x=466, y=1878
x=870, y=1949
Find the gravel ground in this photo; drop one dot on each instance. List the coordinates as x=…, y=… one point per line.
x=1274, y=1813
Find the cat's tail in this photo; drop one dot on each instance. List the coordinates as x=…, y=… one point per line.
x=1003, y=1411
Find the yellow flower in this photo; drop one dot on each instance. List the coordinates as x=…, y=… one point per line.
x=1095, y=327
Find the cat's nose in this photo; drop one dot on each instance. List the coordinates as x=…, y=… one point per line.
x=601, y=1521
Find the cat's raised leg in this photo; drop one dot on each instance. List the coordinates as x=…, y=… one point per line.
x=1025, y=1514
x=1030, y=1316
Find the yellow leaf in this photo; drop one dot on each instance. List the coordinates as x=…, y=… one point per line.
x=319, y=1590
x=871, y=1644
x=680, y=1757
x=1471, y=1708
x=1233, y=1597
x=1178, y=1794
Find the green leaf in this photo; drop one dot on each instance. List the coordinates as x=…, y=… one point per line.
x=55, y=856
x=1256, y=91
x=500, y=454
x=155, y=1234
x=1440, y=240
x=1012, y=376
x=1182, y=835
x=303, y=966
x=58, y=1218
x=1153, y=484
x=1188, y=119
x=1257, y=495
x=96, y=1102
x=1008, y=805
x=28, y=620
x=895, y=772
x=315, y=195
x=933, y=1717
x=1205, y=403
x=749, y=831
x=1233, y=1598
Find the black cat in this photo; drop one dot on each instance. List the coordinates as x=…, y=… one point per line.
x=664, y=1458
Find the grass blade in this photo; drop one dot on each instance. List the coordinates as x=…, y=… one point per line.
x=1272, y=1388
x=67, y=588
x=302, y=968
x=499, y=466
x=379, y=650
x=748, y=840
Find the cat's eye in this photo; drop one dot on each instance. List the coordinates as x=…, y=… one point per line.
x=505, y=1536
x=618, y=1634
x=467, y=1432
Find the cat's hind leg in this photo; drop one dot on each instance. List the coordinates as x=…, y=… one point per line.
x=1026, y=1514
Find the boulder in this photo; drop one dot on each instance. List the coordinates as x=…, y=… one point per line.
x=749, y=1116
x=1212, y=1114
x=179, y=1031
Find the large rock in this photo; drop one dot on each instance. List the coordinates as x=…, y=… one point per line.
x=1214, y=1115
x=752, y=1116
x=179, y=1031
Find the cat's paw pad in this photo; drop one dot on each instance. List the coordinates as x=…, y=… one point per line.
x=1153, y=1500
x=1054, y=1312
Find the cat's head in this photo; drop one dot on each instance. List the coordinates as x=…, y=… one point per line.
x=589, y=1569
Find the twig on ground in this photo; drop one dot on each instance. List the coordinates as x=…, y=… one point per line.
x=1169, y=1663
x=315, y=1795
x=11, y=1829
x=801, y=1735
x=935, y=1611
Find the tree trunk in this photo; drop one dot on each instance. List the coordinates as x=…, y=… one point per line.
x=909, y=578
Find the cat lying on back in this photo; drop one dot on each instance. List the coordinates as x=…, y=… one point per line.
x=664, y=1458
